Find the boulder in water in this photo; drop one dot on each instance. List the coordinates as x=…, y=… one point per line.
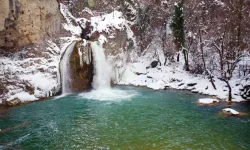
x=208, y=101
x=230, y=111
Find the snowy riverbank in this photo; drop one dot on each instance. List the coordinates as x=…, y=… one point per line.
x=173, y=76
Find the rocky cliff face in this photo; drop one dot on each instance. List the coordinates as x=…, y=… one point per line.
x=25, y=22
x=29, y=30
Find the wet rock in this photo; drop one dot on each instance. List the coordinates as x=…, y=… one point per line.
x=193, y=90
x=149, y=77
x=181, y=84
x=13, y=102
x=237, y=84
x=191, y=84
x=41, y=69
x=30, y=89
x=166, y=87
x=174, y=80
x=81, y=75
x=138, y=73
x=154, y=64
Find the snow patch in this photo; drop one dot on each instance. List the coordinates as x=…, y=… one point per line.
x=40, y=80
x=23, y=96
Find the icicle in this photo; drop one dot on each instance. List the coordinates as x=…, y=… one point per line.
x=89, y=54
x=80, y=54
x=87, y=59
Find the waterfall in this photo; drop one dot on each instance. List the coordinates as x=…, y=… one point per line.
x=65, y=69
x=101, y=79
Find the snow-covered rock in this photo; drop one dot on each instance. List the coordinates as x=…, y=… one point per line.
x=207, y=101
x=230, y=111
x=23, y=97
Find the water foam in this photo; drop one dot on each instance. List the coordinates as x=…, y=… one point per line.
x=108, y=95
x=102, y=78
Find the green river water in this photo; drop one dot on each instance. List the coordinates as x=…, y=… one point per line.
x=126, y=118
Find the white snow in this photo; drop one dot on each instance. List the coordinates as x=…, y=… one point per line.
x=75, y=30
x=231, y=111
x=40, y=73
x=40, y=81
x=103, y=23
x=102, y=39
x=23, y=96
x=173, y=76
x=207, y=101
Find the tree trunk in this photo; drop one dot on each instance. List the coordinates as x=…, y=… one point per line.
x=186, y=60
x=202, y=51
x=229, y=89
x=239, y=26
x=141, y=42
x=221, y=60
x=212, y=82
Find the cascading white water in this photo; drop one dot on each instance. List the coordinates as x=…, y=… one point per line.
x=101, y=79
x=65, y=69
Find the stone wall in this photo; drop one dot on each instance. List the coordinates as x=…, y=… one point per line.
x=24, y=22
